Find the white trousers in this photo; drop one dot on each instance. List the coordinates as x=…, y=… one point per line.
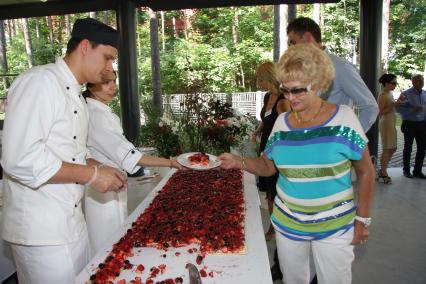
x=51, y=264
x=105, y=213
x=332, y=257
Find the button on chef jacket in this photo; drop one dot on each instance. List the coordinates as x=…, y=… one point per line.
x=46, y=123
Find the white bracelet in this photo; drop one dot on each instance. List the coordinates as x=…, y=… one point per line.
x=93, y=178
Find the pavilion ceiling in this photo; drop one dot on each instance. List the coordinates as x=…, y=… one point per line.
x=12, y=9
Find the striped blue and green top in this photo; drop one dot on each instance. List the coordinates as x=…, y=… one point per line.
x=315, y=196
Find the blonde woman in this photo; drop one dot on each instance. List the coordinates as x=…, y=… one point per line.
x=274, y=104
x=313, y=147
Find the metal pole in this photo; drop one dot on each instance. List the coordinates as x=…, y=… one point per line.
x=127, y=71
x=370, y=55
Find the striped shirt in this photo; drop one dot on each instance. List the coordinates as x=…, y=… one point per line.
x=315, y=196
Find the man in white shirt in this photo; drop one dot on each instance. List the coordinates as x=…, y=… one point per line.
x=44, y=158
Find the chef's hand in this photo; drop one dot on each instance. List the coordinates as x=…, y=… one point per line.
x=230, y=161
x=109, y=179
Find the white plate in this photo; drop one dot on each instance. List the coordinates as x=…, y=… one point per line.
x=183, y=160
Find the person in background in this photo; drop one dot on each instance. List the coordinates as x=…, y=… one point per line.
x=44, y=158
x=412, y=107
x=347, y=87
x=313, y=148
x=274, y=104
x=105, y=213
x=387, y=124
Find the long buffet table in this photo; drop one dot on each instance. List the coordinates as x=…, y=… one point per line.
x=250, y=267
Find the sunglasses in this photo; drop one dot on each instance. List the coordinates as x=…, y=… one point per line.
x=297, y=91
x=393, y=83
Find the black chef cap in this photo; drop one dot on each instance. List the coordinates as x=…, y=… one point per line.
x=95, y=31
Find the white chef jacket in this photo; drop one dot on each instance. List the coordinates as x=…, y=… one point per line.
x=46, y=123
x=106, y=212
x=106, y=142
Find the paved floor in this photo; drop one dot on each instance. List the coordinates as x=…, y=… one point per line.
x=396, y=250
x=396, y=160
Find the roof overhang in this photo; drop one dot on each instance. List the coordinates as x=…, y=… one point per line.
x=13, y=9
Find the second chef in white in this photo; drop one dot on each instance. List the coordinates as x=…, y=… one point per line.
x=105, y=213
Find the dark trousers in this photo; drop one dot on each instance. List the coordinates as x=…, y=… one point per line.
x=413, y=130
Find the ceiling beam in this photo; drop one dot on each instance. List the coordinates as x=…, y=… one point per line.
x=62, y=7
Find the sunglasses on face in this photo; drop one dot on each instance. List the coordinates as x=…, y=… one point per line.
x=297, y=91
x=393, y=83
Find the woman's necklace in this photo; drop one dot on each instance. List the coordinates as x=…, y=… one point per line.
x=300, y=120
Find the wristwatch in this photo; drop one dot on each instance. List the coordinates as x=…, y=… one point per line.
x=365, y=220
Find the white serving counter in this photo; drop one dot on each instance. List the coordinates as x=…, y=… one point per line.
x=251, y=267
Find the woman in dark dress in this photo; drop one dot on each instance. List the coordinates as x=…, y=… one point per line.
x=273, y=105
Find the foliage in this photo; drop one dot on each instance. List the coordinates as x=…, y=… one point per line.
x=158, y=135
x=228, y=63
x=407, y=51
x=204, y=123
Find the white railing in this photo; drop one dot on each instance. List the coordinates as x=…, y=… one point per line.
x=248, y=102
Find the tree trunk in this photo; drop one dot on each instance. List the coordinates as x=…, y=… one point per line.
x=280, y=30
x=14, y=27
x=50, y=25
x=3, y=58
x=138, y=36
x=292, y=12
x=68, y=26
x=385, y=34
x=317, y=13
x=92, y=15
x=188, y=24
x=28, y=44
x=277, y=52
x=174, y=27
x=235, y=24
x=106, y=17
x=37, y=28
x=155, y=59
x=58, y=27
x=163, y=36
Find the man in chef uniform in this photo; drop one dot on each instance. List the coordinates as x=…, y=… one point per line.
x=44, y=158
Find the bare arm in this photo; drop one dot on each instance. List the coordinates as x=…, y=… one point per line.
x=384, y=106
x=105, y=178
x=365, y=179
x=259, y=166
x=257, y=131
x=152, y=161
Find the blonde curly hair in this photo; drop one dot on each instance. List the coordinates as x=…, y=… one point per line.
x=308, y=64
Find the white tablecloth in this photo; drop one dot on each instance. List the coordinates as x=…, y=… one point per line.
x=252, y=267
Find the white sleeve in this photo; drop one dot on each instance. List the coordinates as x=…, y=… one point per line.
x=111, y=143
x=30, y=114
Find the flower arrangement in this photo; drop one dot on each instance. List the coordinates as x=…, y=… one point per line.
x=203, y=123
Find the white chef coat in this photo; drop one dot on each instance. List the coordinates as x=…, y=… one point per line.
x=105, y=213
x=46, y=123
